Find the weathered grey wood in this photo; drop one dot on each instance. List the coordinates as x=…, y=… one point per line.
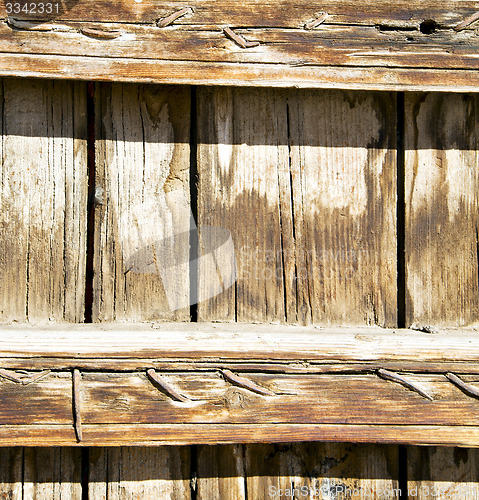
x=442, y=473
x=119, y=473
x=142, y=162
x=441, y=209
x=11, y=470
x=51, y=473
x=319, y=470
x=296, y=165
x=43, y=198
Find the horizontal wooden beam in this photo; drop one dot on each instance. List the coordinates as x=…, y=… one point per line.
x=181, y=383
x=421, y=46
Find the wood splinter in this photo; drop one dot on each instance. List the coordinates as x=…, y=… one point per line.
x=238, y=39
x=246, y=383
x=77, y=404
x=168, y=388
x=316, y=22
x=24, y=379
x=166, y=21
x=395, y=377
x=467, y=22
x=467, y=388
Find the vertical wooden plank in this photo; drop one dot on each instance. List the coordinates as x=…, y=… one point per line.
x=443, y=473
x=142, y=216
x=221, y=473
x=43, y=196
x=441, y=209
x=11, y=466
x=52, y=473
x=306, y=183
x=123, y=473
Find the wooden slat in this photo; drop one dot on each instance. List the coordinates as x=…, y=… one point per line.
x=442, y=473
x=43, y=196
x=52, y=473
x=296, y=165
x=160, y=472
x=142, y=161
x=267, y=13
x=441, y=209
x=319, y=470
x=397, y=42
x=11, y=465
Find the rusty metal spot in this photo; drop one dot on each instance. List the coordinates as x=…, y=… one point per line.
x=316, y=22
x=246, y=383
x=238, y=39
x=166, y=21
x=396, y=377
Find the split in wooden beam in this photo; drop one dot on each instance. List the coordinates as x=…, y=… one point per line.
x=77, y=404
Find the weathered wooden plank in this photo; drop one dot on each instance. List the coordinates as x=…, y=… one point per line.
x=296, y=165
x=160, y=472
x=353, y=46
x=442, y=473
x=441, y=209
x=321, y=470
x=220, y=472
x=11, y=470
x=141, y=226
x=244, y=74
x=196, y=434
x=43, y=198
x=250, y=13
x=51, y=473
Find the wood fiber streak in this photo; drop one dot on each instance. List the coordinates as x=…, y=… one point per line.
x=313, y=176
x=43, y=196
x=142, y=174
x=132, y=472
x=443, y=473
x=441, y=209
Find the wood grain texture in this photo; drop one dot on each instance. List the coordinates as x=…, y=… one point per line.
x=43, y=198
x=442, y=473
x=441, y=209
x=313, y=177
x=130, y=472
x=320, y=470
x=141, y=227
x=417, y=35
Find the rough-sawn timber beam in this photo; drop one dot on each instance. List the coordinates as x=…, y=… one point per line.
x=180, y=383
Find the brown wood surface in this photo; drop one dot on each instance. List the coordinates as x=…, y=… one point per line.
x=442, y=473
x=129, y=472
x=441, y=209
x=43, y=196
x=418, y=35
x=313, y=176
x=142, y=174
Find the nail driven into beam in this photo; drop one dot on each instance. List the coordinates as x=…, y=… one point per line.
x=76, y=379
x=316, y=22
x=396, y=377
x=102, y=34
x=24, y=379
x=246, y=383
x=467, y=22
x=166, y=21
x=468, y=388
x=238, y=39
x=166, y=387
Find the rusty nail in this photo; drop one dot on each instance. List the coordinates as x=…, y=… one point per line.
x=246, y=383
x=238, y=39
x=471, y=390
x=97, y=33
x=316, y=22
x=168, y=388
x=396, y=377
x=77, y=404
x=467, y=22
x=166, y=21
